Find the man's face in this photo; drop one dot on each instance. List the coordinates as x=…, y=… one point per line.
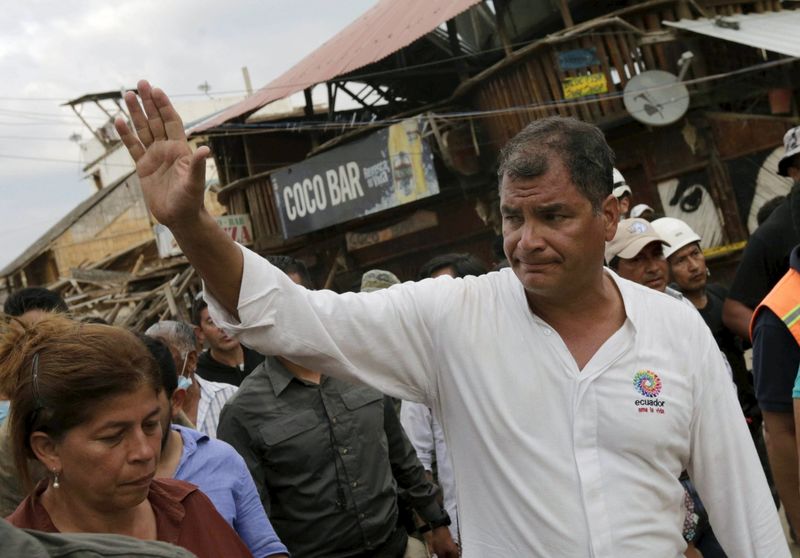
x=688, y=267
x=624, y=205
x=551, y=236
x=217, y=338
x=648, y=267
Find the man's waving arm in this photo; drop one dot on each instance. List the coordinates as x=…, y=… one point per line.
x=173, y=182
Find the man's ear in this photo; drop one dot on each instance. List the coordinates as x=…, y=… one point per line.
x=46, y=451
x=200, y=337
x=191, y=361
x=610, y=212
x=177, y=401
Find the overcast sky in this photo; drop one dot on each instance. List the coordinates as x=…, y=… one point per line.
x=53, y=51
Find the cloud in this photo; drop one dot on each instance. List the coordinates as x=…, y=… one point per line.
x=53, y=51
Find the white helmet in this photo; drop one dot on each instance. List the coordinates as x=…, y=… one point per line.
x=620, y=186
x=674, y=231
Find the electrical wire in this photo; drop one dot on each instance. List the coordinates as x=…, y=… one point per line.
x=242, y=129
x=361, y=76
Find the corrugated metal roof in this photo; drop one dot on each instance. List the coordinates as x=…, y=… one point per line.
x=382, y=30
x=772, y=31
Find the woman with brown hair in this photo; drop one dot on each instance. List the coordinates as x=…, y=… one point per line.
x=84, y=403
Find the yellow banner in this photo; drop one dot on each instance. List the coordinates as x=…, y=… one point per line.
x=582, y=86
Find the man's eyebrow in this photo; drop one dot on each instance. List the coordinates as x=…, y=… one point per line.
x=508, y=210
x=550, y=208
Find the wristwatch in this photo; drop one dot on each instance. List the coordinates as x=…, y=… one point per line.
x=443, y=521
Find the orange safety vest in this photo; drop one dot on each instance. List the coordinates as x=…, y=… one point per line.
x=784, y=300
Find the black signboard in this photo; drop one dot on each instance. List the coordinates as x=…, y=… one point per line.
x=391, y=167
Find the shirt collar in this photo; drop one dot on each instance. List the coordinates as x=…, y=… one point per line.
x=278, y=375
x=191, y=439
x=627, y=290
x=166, y=498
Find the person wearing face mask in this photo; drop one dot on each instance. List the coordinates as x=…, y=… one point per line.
x=85, y=404
x=202, y=400
x=212, y=465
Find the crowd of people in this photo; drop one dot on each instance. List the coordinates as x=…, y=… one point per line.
x=587, y=397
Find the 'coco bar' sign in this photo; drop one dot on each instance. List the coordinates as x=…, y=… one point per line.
x=389, y=168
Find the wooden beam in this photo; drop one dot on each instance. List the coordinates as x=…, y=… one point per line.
x=309, y=108
x=500, y=25
x=455, y=48
x=565, y=14
x=91, y=129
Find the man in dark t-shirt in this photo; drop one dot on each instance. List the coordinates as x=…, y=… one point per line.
x=226, y=360
x=764, y=261
x=775, y=357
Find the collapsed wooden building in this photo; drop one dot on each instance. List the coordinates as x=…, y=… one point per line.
x=399, y=163
x=696, y=119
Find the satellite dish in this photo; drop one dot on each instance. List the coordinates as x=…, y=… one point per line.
x=656, y=98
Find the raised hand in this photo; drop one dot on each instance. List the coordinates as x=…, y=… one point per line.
x=172, y=177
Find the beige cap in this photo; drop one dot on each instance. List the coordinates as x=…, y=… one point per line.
x=632, y=235
x=377, y=279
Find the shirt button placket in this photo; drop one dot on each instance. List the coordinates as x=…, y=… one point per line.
x=587, y=460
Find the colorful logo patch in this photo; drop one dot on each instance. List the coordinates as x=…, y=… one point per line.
x=647, y=383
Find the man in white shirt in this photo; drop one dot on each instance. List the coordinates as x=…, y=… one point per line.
x=571, y=399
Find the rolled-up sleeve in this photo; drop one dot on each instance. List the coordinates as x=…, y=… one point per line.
x=252, y=522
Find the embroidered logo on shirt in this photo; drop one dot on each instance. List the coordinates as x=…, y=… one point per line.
x=648, y=384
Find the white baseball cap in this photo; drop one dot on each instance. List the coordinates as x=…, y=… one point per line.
x=791, y=142
x=620, y=186
x=641, y=208
x=676, y=232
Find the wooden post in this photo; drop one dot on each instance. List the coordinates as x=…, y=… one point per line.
x=309, y=111
x=722, y=191
x=455, y=49
x=500, y=7
x=334, y=267
x=565, y=14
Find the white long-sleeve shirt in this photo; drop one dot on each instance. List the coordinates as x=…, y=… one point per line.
x=550, y=461
x=426, y=435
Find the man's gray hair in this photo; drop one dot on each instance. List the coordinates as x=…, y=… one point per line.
x=581, y=147
x=179, y=335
